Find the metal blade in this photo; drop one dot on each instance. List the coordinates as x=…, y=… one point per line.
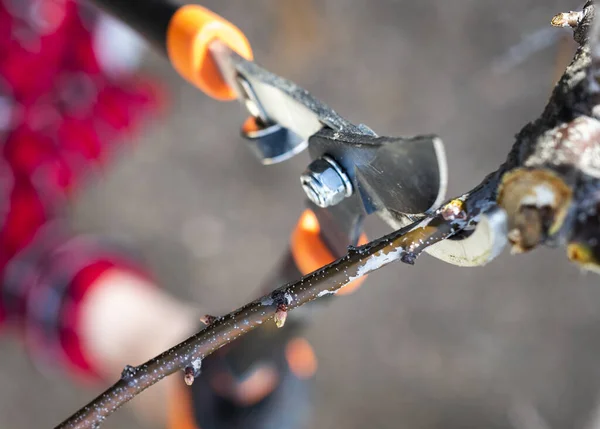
x=402, y=175
x=482, y=246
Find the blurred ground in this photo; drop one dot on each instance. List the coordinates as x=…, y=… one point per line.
x=511, y=345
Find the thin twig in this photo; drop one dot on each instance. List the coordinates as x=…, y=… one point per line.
x=405, y=245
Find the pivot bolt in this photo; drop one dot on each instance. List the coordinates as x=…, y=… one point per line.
x=325, y=183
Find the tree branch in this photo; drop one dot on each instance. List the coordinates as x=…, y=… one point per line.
x=405, y=245
x=549, y=188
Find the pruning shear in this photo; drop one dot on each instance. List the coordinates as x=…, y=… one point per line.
x=353, y=172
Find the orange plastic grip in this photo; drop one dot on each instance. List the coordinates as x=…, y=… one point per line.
x=310, y=253
x=189, y=35
x=180, y=413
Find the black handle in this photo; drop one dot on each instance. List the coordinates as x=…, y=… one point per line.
x=150, y=18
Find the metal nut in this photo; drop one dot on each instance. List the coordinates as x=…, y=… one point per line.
x=325, y=183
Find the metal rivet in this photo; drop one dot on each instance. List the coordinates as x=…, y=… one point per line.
x=325, y=183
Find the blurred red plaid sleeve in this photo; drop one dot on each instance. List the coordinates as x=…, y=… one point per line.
x=60, y=117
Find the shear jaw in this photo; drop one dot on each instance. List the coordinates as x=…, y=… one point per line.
x=484, y=244
x=283, y=117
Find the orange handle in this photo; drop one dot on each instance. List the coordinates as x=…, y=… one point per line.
x=310, y=253
x=189, y=35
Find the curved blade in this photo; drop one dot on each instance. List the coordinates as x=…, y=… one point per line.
x=399, y=175
x=482, y=246
x=405, y=175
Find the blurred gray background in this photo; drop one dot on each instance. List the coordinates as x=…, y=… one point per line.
x=511, y=345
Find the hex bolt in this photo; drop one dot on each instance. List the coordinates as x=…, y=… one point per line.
x=325, y=183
